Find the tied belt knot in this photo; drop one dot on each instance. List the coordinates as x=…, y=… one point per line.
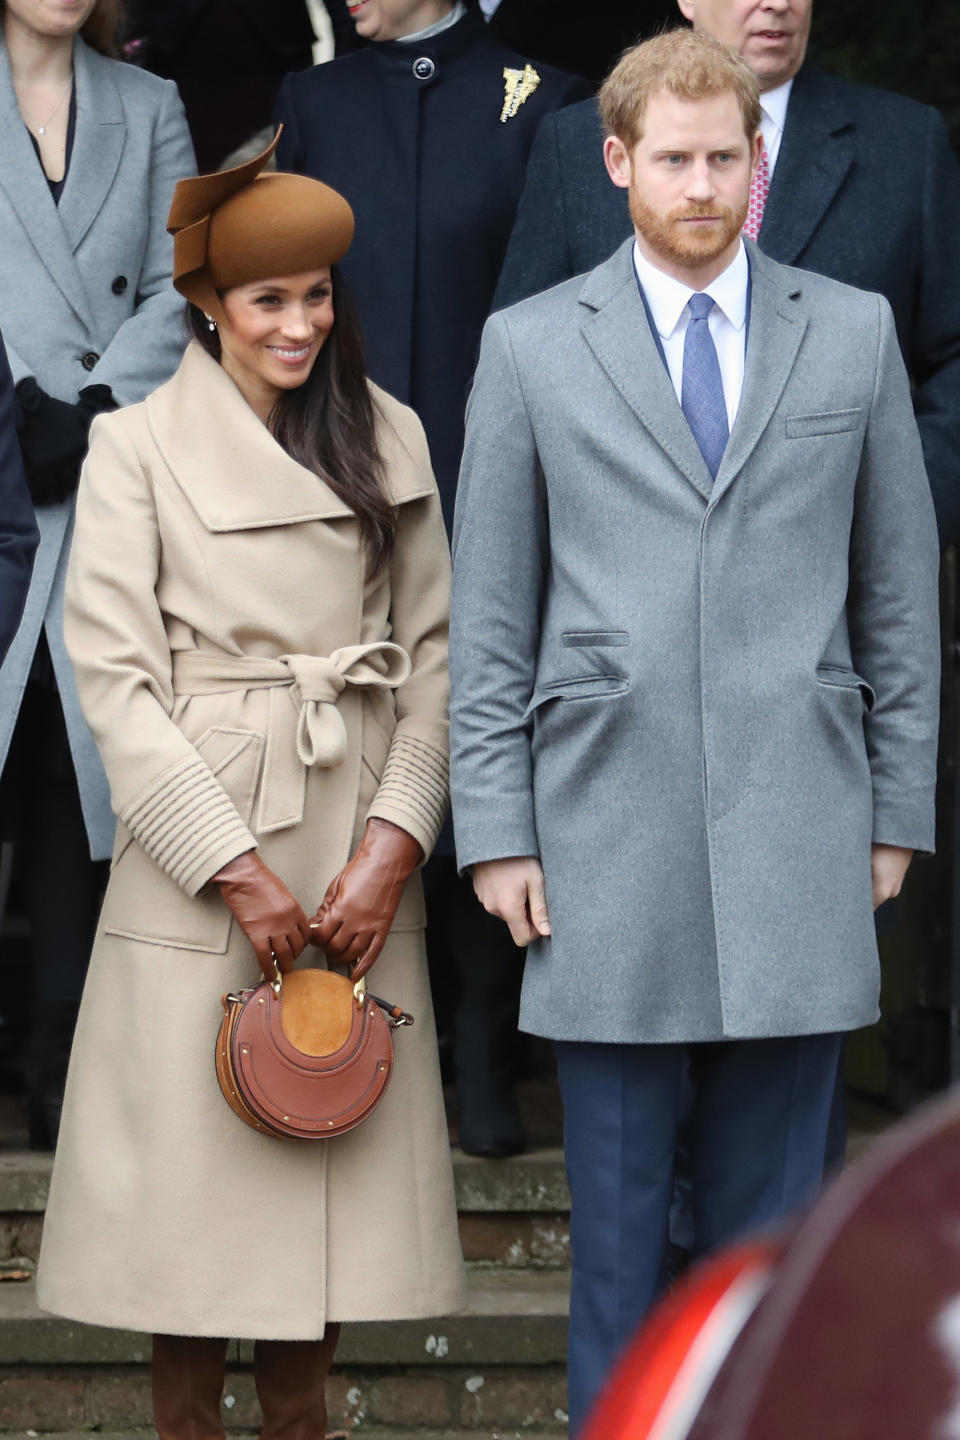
x=312, y=727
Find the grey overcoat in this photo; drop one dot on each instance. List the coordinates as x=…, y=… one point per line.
x=697, y=704
x=86, y=299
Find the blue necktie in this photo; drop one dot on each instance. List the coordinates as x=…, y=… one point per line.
x=701, y=390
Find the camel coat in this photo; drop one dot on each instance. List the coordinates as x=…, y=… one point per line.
x=203, y=555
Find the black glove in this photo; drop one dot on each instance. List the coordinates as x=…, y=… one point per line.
x=53, y=437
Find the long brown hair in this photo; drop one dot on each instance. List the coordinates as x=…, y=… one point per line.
x=103, y=29
x=328, y=424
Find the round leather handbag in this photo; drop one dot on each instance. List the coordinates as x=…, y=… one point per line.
x=307, y=1055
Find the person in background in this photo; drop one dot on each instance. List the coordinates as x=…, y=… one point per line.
x=19, y=536
x=855, y=183
x=227, y=57
x=695, y=743
x=426, y=132
x=90, y=150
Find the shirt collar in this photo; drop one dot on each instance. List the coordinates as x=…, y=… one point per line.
x=668, y=298
x=774, y=103
x=438, y=26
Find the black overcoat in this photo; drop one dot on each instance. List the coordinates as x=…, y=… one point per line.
x=866, y=190
x=412, y=135
x=19, y=536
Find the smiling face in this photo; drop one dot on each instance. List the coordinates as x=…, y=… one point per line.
x=274, y=331
x=392, y=19
x=771, y=35
x=688, y=178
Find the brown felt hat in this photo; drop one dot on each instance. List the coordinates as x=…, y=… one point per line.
x=239, y=225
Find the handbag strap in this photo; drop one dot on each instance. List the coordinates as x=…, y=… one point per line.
x=394, y=1014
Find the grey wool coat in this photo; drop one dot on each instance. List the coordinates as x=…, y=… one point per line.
x=218, y=612
x=697, y=704
x=86, y=299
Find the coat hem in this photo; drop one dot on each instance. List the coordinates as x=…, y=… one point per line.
x=428, y=1308
x=544, y=1031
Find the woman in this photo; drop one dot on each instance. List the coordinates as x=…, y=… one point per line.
x=90, y=150
x=239, y=536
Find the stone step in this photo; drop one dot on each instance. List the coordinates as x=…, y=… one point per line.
x=534, y=1183
x=500, y=1364
x=380, y=1433
x=513, y=1318
x=514, y=1213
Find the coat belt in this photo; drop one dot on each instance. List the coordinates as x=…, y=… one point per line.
x=310, y=730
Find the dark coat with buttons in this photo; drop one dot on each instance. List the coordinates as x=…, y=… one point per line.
x=86, y=299
x=866, y=190
x=412, y=135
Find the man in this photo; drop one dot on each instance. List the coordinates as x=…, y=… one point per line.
x=694, y=658
x=863, y=187
x=427, y=132
x=19, y=536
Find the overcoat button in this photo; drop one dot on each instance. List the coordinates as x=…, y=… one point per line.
x=119, y=285
x=89, y=360
x=424, y=68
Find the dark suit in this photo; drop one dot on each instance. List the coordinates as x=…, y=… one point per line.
x=866, y=190
x=19, y=536
x=434, y=177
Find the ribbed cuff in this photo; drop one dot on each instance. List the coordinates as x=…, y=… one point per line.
x=414, y=789
x=188, y=824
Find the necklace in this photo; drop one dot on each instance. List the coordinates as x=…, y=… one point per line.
x=42, y=129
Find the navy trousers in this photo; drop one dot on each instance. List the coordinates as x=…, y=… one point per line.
x=757, y=1125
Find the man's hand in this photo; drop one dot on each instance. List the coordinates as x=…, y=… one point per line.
x=888, y=866
x=514, y=891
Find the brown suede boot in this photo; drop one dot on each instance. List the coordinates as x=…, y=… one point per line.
x=290, y=1376
x=188, y=1376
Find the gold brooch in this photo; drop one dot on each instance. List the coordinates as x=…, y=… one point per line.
x=517, y=86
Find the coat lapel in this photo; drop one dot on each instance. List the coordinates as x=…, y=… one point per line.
x=230, y=468
x=815, y=155
x=97, y=146
x=25, y=186
x=777, y=326
x=618, y=332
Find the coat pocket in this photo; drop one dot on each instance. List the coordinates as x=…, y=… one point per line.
x=583, y=639
x=142, y=902
x=841, y=677
x=829, y=422
x=577, y=687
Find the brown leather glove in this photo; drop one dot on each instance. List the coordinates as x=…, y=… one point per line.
x=358, y=908
x=265, y=910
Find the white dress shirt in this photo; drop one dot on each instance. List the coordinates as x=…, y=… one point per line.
x=668, y=300
x=773, y=117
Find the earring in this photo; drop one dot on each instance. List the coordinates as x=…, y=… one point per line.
x=210, y=320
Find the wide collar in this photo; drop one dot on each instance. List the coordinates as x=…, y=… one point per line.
x=231, y=469
x=616, y=328
x=56, y=231
x=816, y=152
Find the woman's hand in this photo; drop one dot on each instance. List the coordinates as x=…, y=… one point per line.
x=266, y=912
x=358, y=908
